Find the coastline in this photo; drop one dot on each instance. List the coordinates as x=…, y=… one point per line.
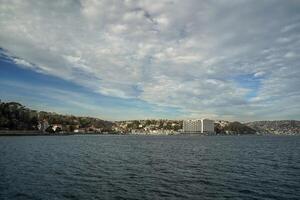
x=39, y=133
x=29, y=133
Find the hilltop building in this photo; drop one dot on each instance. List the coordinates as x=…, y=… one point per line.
x=203, y=126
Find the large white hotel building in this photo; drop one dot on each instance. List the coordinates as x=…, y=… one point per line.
x=204, y=126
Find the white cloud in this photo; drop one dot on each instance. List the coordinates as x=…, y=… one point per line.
x=259, y=74
x=289, y=55
x=22, y=62
x=184, y=54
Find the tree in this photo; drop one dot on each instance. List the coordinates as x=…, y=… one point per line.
x=50, y=130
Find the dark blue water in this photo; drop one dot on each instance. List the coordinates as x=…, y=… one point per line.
x=150, y=167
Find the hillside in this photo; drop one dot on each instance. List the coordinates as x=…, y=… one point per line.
x=232, y=128
x=279, y=127
x=15, y=116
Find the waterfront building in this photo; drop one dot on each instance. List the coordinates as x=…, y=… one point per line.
x=43, y=125
x=192, y=126
x=208, y=126
x=57, y=127
x=203, y=126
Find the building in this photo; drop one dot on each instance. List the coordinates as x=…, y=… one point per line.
x=57, y=127
x=208, y=126
x=43, y=125
x=192, y=126
x=204, y=126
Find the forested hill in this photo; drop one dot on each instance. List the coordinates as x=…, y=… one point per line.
x=15, y=116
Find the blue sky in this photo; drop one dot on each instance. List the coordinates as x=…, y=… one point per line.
x=233, y=60
x=44, y=92
x=251, y=82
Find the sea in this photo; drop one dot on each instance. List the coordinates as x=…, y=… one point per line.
x=149, y=167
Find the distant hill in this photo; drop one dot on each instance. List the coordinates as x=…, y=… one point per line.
x=233, y=128
x=279, y=127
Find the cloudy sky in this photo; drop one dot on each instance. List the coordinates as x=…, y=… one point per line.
x=127, y=59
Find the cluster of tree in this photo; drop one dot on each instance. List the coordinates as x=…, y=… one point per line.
x=74, y=121
x=15, y=116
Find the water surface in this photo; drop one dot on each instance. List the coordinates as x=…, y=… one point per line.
x=150, y=167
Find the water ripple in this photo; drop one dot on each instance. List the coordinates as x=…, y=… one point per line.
x=149, y=167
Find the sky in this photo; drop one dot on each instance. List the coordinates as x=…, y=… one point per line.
x=153, y=59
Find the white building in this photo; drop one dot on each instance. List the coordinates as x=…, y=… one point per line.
x=192, y=126
x=43, y=125
x=204, y=126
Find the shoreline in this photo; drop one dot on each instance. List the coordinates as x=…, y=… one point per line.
x=39, y=133
x=29, y=133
